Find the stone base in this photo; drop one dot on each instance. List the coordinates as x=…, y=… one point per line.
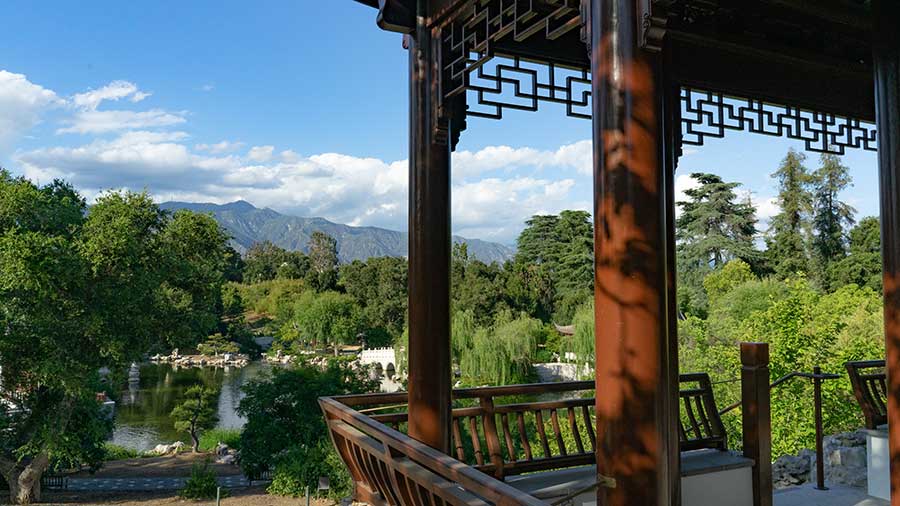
x=878, y=460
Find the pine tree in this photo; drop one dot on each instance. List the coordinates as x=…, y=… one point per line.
x=713, y=229
x=788, y=233
x=831, y=217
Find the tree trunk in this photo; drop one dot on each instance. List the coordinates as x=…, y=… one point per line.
x=195, y=441
x=25, y=483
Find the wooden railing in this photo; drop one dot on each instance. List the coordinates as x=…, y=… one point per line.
x=390, y=468
x=504, y=439
x=502, y=431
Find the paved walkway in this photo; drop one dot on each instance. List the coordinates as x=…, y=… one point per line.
x=92, y=484
x=836, y=495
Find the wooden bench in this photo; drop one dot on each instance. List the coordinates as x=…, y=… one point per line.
x=869, y=381
x=509, y=439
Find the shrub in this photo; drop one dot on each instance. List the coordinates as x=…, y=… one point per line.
x=302, y=468
x=116, y=452
x=212, y=437
x=202, y=483
x=285, y=429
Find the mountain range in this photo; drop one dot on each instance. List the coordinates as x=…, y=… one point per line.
x=248, y=224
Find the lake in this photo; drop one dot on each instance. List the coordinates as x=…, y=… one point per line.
x=143, y=406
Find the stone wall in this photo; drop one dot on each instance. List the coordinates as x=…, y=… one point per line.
x=845, y=463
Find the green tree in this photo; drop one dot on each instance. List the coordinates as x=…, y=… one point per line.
x=194, y=249
x=323, y=318
x=323, y=262
x=713, y=229
x=379, y=287
x=537, y=242
x=787, y=237
x=862, y=266
x=285, y=431
x=76, y=293
x=196, y=412
x=262, y=261
x=831, y=217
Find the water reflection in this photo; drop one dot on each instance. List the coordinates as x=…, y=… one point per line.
x=142, y=413
x=153, y=390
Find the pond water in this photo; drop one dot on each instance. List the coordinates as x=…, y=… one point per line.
x=144, y=406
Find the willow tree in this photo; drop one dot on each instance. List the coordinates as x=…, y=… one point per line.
x=502, y=354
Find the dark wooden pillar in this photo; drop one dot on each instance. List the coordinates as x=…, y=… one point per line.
x=756, y=418
x=636, y=437
x=887, y=103
x=429, y=250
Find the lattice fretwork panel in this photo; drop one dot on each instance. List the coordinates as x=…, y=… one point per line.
x=708, y=114
x=509, y=83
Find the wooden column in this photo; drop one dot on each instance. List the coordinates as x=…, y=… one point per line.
x=636, y=440
x=887, y=104
x=429, y=250
x=756, y=418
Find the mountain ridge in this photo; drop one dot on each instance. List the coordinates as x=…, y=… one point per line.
x=249, y=224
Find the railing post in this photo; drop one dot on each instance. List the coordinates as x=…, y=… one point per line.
x=820, y=452
x=489, y=423
x=757, y=420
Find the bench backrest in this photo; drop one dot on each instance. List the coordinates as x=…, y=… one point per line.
x=510, y=439
x=869, y=382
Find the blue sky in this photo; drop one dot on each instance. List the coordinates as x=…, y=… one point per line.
x=297, y=106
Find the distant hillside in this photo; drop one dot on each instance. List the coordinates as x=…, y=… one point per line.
x=248, y=224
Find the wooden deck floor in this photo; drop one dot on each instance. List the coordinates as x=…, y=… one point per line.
x=835, y=496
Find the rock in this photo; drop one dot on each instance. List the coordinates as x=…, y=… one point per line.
x=167, y=449
x=221, y=449
x=789, y=470
x=226, y=459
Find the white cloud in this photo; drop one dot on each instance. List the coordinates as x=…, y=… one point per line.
x=96, y=122
x=114, y=91
x=347, y=189
x=207, y=87
x=22, y=104
x=87, y=119
x=220, y=147
x=261, y=153
x=577, y=156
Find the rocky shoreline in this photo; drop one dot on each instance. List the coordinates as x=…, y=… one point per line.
x=223, y=360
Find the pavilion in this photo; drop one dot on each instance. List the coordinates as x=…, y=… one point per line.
x=651, y=76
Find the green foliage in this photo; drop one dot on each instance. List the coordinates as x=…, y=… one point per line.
x=202, y=483
x=724, y=280
x=285, y=430
x=264, y=261
x=503, y=353
x=788, y=237
x=581, y=343
x=713, y=229
x=302, y=468
x=212, y=437
x=862, y=266
x=196, y=413
x=116, y=452
x=555, y=264
x=831, y=217
x=216, y=345
x=323, y=262
x=379, y=288
x=322, y=318
x=81, y=290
